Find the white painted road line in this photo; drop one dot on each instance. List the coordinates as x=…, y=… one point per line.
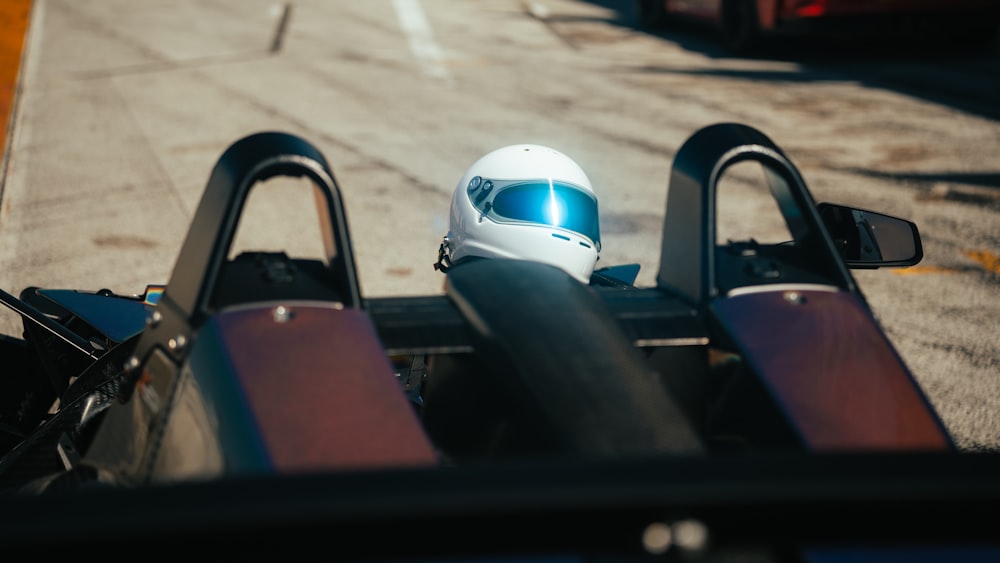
x=421, y=37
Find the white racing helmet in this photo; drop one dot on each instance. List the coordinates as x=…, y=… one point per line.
x=526, y=202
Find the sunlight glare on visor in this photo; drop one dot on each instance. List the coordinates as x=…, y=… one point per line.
x=553, y=210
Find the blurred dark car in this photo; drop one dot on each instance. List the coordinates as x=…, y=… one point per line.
x=744, y=24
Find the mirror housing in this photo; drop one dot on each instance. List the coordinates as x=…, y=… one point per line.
x=867, y=239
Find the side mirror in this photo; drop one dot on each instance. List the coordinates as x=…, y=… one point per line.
x=867, y=239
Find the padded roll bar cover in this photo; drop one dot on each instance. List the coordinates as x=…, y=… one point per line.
x=315, y=387
x=852, y=393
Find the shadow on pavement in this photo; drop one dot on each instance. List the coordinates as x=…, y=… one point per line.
x=930, y=68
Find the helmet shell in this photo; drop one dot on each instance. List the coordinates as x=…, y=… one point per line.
x=474, y=231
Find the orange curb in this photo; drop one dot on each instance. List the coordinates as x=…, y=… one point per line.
x=14, y=18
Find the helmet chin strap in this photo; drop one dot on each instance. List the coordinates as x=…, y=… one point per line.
x=444, y=259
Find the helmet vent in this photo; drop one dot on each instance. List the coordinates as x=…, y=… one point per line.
x=557, y=235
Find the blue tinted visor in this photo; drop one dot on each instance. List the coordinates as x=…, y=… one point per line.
x=540, y=202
